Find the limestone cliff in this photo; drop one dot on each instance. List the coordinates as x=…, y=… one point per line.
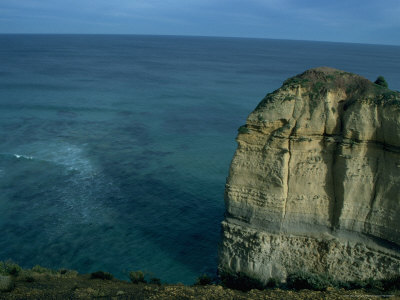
x=315, y=181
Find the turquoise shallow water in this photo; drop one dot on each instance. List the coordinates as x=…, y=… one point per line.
x=114, y=149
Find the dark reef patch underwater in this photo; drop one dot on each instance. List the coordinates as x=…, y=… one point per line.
x=114, y=149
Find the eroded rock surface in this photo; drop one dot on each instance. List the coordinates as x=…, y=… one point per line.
x=315, y=181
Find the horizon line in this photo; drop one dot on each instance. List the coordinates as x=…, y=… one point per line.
x=199, y=36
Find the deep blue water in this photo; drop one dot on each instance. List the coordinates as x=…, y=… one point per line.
x=114, y=149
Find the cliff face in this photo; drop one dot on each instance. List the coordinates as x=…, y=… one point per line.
x=315, y=181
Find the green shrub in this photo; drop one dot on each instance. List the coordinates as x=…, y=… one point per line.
x=203, y=280
x=137, y=277
x=317, y=86
x=305, y=280
x=42, y=270
x=13, y=269
x=101, y=275
x=381, y=81
x=351, y=285
x=319, y=282
x=289, y=98
x=29, y=278
x=6, y=284
x=392, y=283
x=376, y=285
x=9, y=268
x=243, y=129
x=295, y=81
x=240, y=281
x=379, y=285
x=260, y=118
x=68, y=273
x=387, y=284
x=273, y=283
x=359, y=284
x=155, y=280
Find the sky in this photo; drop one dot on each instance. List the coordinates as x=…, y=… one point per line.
x=357, y=21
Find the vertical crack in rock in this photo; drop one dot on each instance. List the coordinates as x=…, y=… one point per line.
x=337, y=200
x=367, y=223
x=291, y=134
x=287, y=178
x=337, y=205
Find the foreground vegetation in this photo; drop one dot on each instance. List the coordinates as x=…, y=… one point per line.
x=310, y=281
x=43, y=283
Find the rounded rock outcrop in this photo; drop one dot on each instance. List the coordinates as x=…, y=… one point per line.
x=315, y=181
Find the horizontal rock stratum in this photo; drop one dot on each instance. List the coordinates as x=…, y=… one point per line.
x=314, y=184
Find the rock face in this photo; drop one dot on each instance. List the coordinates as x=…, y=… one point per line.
x=314, y=184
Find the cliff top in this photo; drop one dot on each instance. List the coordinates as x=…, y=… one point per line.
x=318, y=81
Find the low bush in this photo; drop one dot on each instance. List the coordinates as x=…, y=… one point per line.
x=14, y=270
x=243, y=129
x=376, y=285
x=381, y=81
x=68, y=273
x=203, y=280
x=273, y=283
x=351, y=285
x=305, y=280
x=319, y=282
x=42, y=270
x=392, y=283
x=240, y=281
x=137, y=277
x=260, y=118
x=101, y=275
x=29, y=278
x=387, y=284
x=6, y=284
x=9, y=268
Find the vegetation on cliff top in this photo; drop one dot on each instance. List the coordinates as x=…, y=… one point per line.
x=381, y=81
x=316, y=82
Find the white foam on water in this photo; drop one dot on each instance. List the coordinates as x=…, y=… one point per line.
x=82, y=173
x=23, y=156
x=78, y=194
x=71, y=156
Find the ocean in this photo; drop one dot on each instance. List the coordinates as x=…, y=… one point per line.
x=114, y=149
